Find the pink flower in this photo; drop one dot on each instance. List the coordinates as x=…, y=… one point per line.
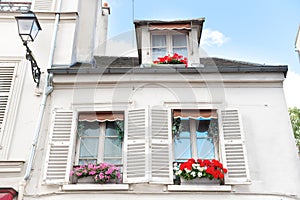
x=101, y=176
x=109, y=171
x=78, y=173
x=118, y=175
x=92, y=172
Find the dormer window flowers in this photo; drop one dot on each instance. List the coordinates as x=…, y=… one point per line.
x=101, y=173
x=211, y=169
x=174, y=59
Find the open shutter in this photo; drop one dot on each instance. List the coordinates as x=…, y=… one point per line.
x=6, y=79
x=233, y=148
x=43, y=5
x=160, y=147
x=136, y=155
x=59, y=151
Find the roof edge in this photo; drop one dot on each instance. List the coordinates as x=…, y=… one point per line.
x=171, y=70
x=145, y=22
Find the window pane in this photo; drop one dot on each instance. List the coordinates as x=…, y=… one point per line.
x=206, y=148
x=158, y=52
x=86, y=161
x=88, y=129
x=201, y=134
x=89, y=140
x=158, y=40
x=181, y=51
x=88, y=147
x=202, y=125
x=112, y=144
x=179, y=40
x=182, y=148
x=111, y=129
x=112, y=147
x=113, y=161
x=182, y=143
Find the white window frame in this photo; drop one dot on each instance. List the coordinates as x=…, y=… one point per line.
x=193, y=140
x=101, y=143
x=169, y=44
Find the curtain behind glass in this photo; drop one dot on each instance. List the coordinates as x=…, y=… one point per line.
x=88, y=133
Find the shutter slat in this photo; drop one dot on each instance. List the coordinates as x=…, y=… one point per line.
x=43, y=5
x=136, y=155
x=6, y=79
x=161, y=164
x=59, y=147
x=234, y=153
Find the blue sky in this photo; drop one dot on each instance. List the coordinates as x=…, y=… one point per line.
x=260, y=31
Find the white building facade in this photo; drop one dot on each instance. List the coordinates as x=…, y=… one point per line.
x=94, y=108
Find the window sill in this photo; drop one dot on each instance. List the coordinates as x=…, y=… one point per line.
x=95, y=187
x=199, y=188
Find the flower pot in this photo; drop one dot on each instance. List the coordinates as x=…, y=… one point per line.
x=199, y=181
x=87, y=179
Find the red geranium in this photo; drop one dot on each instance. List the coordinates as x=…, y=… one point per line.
x=175, y=59
x=191, y=169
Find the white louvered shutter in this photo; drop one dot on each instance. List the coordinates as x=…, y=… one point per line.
x=233, y=148
x=136, y=155
x=59, y=151
x=6, y=80
x=43, y=5
x=160, y=147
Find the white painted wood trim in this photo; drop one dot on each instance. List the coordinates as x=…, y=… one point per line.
x=94, y=187
x=11, y=166
x=199, y=188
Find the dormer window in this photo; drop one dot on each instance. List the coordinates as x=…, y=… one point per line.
x=160, y=38
x=163, y=43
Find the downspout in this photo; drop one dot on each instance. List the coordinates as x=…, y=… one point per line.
x=48, y=88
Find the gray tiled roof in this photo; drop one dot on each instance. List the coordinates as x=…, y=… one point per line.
x=125, y=62
x=106, y=64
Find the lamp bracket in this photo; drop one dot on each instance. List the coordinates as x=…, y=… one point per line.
x=35, y=70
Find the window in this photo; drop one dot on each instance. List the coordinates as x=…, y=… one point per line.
x=169, y=43
x=100, y=138
x=197, y=135
x=147, y=143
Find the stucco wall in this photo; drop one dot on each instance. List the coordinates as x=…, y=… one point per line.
x=271, y=150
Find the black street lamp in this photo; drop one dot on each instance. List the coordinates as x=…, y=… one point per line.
x=28, y=27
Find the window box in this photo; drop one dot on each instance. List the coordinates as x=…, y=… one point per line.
x=169, y=65
x=87, y=179
x=91, y=180
x=96, y=173
x=200, y=181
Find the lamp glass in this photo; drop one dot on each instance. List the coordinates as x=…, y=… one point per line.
x=25, y=29
x=28, y=26
x=34, y=30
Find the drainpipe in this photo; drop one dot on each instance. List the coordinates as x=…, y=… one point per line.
x=47, y=90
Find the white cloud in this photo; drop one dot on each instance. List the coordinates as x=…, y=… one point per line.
x=291, y=89
x=213, y=37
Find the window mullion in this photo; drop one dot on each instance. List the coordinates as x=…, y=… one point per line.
x=193, y=138
x=77, y=149
x=101, y=142
x=169, y=43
